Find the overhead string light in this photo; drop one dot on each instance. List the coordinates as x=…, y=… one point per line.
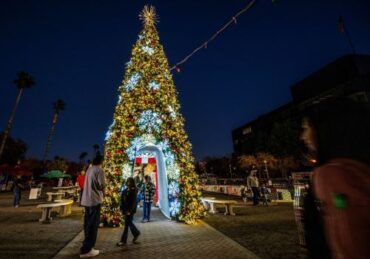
x=205, y=44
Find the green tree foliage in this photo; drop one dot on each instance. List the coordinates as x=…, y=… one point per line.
x=247, y=161
x=14, y=150
x=57, y=164
x=218, y=166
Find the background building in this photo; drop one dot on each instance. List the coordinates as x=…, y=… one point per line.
x=347, y=76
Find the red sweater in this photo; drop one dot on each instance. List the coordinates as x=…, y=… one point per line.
x=81, y=181
x=343, y=187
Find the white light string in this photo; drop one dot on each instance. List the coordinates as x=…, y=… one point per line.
x=205, y=44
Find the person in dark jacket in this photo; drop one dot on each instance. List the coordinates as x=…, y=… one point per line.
x=128, y=209
x=17, y=187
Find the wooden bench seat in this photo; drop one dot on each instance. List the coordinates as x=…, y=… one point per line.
x=64, y=205
x=229, y=204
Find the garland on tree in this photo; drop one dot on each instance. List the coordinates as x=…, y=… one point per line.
x=148, y=112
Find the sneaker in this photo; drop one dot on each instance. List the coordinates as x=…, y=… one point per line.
x=92, y=253
x=16, y=206
x=121, y=243
x=135, y=239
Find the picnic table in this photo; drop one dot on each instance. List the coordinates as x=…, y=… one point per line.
x=66, y=188
x=72, y=190
x=56, y=195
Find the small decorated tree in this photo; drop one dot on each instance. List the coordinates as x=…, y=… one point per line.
x=148, y=113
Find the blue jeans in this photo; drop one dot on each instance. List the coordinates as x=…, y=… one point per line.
x=17, y=196
x=256, y=195
x=146, y=209
x=139, y=198
x=81, y=192
x=129, y=225
x=91, y=225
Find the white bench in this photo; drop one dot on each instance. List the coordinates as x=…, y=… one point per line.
x=229, y=204
x=64, y=205
x=56, y=195
x=66, y=208
x=206, y=204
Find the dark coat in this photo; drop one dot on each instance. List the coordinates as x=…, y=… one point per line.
x=128, y=201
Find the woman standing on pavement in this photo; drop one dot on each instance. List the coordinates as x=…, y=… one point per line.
x=128, y=209
x=81, y=182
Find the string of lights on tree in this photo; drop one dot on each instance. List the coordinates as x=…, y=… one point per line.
x=148, y=114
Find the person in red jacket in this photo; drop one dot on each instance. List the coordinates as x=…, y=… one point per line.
x=337, y=134
x=81, y=182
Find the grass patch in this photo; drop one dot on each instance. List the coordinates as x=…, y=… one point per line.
x=269, y=232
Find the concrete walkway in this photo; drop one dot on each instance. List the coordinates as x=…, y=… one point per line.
x=162, y=238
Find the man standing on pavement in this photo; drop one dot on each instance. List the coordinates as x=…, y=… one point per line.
x=252, y=182
x=92, y=197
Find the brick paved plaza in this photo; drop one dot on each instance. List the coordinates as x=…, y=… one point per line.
x=162, y=238
x=22, y=236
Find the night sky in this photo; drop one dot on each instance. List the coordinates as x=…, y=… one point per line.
x=76, y=50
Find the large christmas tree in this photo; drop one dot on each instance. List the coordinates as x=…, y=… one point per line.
x=148, y=115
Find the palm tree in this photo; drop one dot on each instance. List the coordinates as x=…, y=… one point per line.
x=58, y=106
x=96, y=148
x=82, y=157
x=23, y=81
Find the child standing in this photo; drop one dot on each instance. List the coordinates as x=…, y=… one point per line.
x=148, y=191
x=265, y=192
x=243, y=193
x=17, y=187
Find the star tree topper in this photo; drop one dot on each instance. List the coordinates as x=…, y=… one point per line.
x=149, y=16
